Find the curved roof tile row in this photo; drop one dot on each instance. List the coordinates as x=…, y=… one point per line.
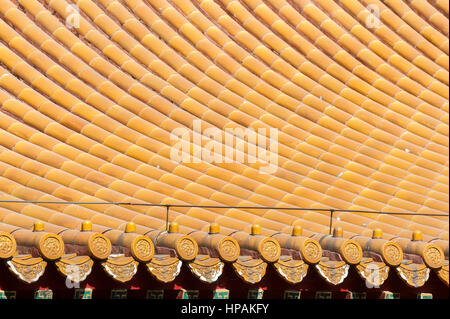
x=89, y=103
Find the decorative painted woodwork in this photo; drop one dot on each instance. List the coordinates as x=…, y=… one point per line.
x=356, y=295
x=118, y=294
x=292, y=294
x=255, y=293
x=389, y=295
x=323, y=295
x=155, y=294
x=188, y=294
x=83, y=293
x=221, y=294
x=43, y=294
x=7, y=294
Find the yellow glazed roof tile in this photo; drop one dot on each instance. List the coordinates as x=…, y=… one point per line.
x=88, y=113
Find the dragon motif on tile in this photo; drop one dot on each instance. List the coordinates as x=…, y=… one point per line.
x=142, y=249
x=7, y=245
x=228, y=249
x=270, y=250
x=75, y=268
x=207, y=269
x=374, y=273
x=392, y=253
x=415, y=275
x=351, y=252
x=333, y=272
x=99, y=246
x=250, y=270
x=293, y=271
x=26, y=268
x=121, y=268
x=186, y=248
x=433, y=257
x=164, y=268
x=311, y=251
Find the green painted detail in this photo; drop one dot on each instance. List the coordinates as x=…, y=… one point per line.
x=391, y=295
x=255, y=294
x=43, y=294
x=358, y=295
x=83, y=293
x=155, y=294
x=188, y=294
x=323, y=295
x=221, y=294
x=292, y=294
x=119, y=294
